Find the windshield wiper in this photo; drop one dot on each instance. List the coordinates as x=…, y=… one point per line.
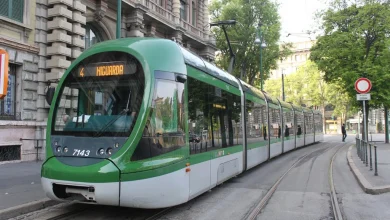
x=123, y=112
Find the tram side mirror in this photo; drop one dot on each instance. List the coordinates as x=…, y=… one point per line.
x=181, y=78
x=50, y=94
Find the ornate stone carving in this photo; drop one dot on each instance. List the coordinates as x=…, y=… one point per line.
x=101, y=9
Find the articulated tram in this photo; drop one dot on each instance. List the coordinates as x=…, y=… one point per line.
x=142, y=122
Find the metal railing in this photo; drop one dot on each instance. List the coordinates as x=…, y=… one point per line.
x=363, y=149
x=37, y=147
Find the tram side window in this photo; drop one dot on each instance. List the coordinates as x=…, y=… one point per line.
x=164, y=131
x=275, y=123
x=256, y=122
x=309, y=123
x=288, y=116
x=299, y=122
x=214, y=117
x=318, y=123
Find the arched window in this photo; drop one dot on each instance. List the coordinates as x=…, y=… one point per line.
x=92, y=36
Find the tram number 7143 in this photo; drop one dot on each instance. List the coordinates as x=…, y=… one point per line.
x=83, y=153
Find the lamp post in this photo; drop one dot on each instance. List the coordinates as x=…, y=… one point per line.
x=260, y=41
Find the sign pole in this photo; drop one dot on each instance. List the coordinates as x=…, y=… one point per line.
x=364, y=121
x=358, y=129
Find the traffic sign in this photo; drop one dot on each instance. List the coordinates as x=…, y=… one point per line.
x=363, y=97
x=363, y=85
x=3, y=73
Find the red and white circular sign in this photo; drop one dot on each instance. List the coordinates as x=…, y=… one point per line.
x=363, y=85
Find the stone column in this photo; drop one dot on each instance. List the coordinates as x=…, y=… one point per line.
x=135, y=22
x=41, y=41
x=65, y=27
x=176, y=10
x=206, y=20
x=151, y=30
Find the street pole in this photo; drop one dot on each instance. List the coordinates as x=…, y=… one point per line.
x=358, y=129
x=119, y=19
x=364, y=121
x=283, y=87
x=261, y=60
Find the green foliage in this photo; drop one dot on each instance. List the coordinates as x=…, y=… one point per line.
x=242, y=36
x=307, y=87
x=356, y=44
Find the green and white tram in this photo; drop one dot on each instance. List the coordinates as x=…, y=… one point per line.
x=142, y=122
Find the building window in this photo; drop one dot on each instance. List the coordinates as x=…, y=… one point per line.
x=92, y=36
x=183, y=10
x=193, y=13
x=12, y=9
x=7, y=105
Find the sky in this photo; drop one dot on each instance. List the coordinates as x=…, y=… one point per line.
x=297, y=17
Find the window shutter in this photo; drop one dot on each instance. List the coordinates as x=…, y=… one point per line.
x=17, y=10
x=4, y=6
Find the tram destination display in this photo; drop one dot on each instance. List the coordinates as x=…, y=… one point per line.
x=106, y=69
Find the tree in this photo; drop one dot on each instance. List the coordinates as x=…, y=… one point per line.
x=355, y=44
x=248, y=14
x=307, y=88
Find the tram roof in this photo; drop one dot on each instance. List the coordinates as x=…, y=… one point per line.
x=197, y=62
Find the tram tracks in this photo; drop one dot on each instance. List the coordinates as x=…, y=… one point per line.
x=334, y=202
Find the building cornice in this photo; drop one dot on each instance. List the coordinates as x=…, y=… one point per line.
x=18, y=45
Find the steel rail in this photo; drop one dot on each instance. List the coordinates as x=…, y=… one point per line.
x=263, y=202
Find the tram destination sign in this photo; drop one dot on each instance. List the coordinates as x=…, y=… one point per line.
x=117, y=68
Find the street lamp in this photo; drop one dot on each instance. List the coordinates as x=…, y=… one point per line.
x=260, y=41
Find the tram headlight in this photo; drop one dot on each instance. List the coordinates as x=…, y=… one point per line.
x=56, y=143
x=65, y=149
x=109, y=151
x=116, y=145
x=58, y=149
x=101, y=151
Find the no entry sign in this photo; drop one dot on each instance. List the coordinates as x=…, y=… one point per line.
x=363, y=85
x=3, y=73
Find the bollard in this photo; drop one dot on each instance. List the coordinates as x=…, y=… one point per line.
x=370, y=158
x=376, y=162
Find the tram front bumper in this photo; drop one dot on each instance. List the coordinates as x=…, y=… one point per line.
x=97, y=184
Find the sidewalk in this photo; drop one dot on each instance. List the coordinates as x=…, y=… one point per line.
x=20, y=183
x=368, y=181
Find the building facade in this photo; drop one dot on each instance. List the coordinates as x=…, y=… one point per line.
x=43, y=37
x=300, y=54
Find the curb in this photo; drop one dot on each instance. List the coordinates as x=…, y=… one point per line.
x=364, y=184
x=26, y=208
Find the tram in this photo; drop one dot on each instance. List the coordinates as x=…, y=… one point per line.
x=145, y=123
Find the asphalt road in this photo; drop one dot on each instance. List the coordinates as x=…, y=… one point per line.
x=20, y=183
x=304, y=193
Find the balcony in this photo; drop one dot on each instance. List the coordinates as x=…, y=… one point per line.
x=164, y=15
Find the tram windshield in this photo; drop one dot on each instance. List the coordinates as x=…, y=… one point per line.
x=100, y=97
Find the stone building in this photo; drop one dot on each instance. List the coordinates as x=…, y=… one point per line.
x=43, y=37
x=300, y=54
